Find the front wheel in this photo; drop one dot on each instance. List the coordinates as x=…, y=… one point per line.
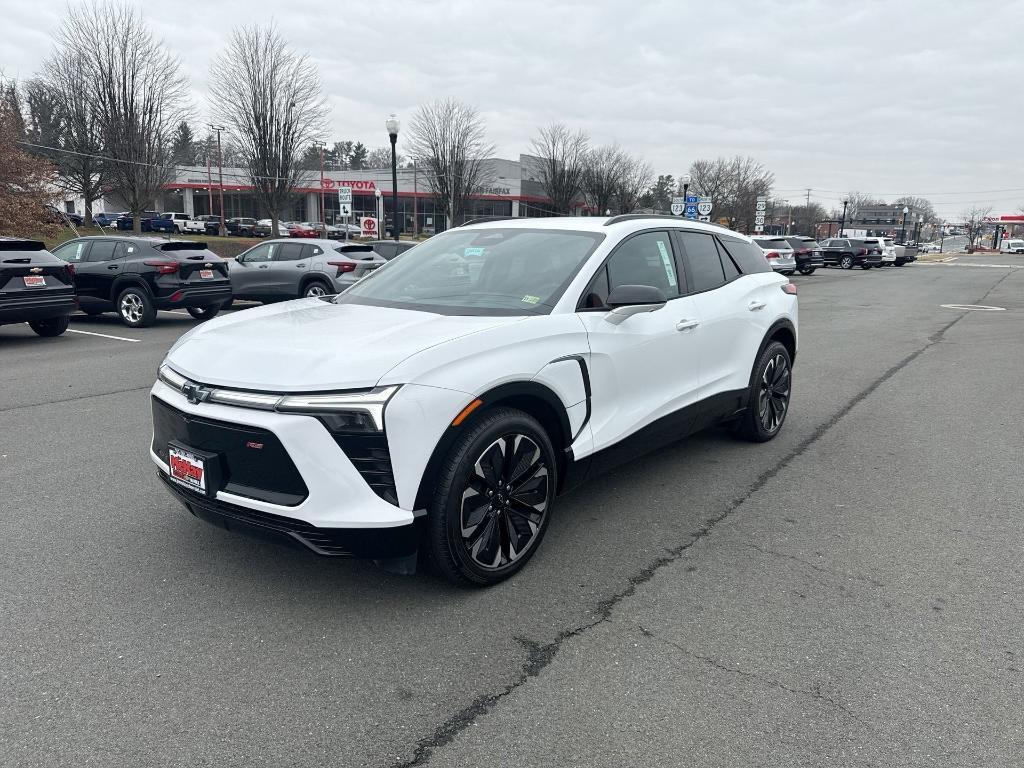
x=807, y=270
x=51, y=326
x=865, y=265
x=768, y=396
x=493, y=499
x=846, y=262
x=204, y=313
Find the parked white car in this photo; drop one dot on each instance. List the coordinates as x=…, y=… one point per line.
x=888, y=248
x=185, y=223
x=778, y=252
x=1011, y=246
x=451, y=394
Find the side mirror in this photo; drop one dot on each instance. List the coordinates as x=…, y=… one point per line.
x=629, y=300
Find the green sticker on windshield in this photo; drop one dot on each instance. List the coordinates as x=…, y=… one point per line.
x=670, y=271
x=530, y=299
x=473, y=252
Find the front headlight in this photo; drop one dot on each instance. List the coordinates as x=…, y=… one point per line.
x=343, y=412
x=340, y=412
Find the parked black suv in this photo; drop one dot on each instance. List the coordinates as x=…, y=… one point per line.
x=136, y=276
x=850, y=252
x=805, y=251
x=241, y=226
x=35, y=287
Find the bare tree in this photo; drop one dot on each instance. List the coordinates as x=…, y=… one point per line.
x=920, y=206
x=135, y=91
x=271, y=100
x=634, y=180
x=733, y=185
x=448, y=139
x=381, y=158
x=562, y=157
x=26, y=181
x=602, y=177
x=975, y=220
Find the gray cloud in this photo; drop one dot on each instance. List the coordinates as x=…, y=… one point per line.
x=904, y=96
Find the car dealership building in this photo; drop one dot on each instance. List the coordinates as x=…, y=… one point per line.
x=512, y=190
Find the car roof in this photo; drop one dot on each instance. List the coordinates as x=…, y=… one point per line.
x=617, y=224
x=301, y=240
x=149, y=239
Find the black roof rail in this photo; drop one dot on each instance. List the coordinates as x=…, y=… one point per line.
x=484, y=220
x=660, y=217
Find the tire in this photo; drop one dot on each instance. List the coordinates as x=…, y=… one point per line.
x=769, y=390
x=865, y=265
x=788, y=272
x=900, y=264
x=807, y=270
x=315, y=288
x=177, y=229
x=51, y=326
x=846, y=262
x=483, y=553
x=205, y=313
x=227, y=304
x=135, y=308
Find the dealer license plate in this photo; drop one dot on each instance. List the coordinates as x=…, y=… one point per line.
x=34, y=281
x=187, y=468
x=206, y=274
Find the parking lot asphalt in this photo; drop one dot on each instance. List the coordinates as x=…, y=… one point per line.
x=848, y=593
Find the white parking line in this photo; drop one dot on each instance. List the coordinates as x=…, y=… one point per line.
x=175, y=311
x=104, y=335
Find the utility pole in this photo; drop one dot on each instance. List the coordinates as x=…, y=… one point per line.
x=415, y=205
x=220, y=177
x=323, y=209
x=807, y=212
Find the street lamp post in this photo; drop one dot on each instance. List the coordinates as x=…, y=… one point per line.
x=903, y=226
x=919, y=229
x=942, y=235
x=323, y=210
x=686, y=179
x=392, y=125
x=842, y=221
x=220, y=177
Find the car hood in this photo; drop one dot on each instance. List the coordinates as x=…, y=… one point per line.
x=311, y=345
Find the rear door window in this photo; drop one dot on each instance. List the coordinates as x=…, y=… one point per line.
x=705, y=267
x=747, y=256
x=288, y=252
x=103, y=250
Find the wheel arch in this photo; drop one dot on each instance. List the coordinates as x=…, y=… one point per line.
x=782, y=331
x=315, y=277
x=124, y=281
x=531, y=397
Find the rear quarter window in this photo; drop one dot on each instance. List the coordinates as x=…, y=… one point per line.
x=748, y=257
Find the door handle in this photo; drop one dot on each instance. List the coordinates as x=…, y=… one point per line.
x=300, y=266
x=754, y=306
x=687, y=325
x=112, y=266
x=263, y=266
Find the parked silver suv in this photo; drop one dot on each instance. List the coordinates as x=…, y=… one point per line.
x=288, y=269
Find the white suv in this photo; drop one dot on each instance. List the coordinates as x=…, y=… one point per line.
x=887, y=246
x=443, y=401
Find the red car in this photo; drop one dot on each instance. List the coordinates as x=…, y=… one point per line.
x=302, y=229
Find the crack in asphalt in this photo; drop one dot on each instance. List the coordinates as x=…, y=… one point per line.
x=816, y=567
x=541, y=655
x=72, y=399
x=813, y=693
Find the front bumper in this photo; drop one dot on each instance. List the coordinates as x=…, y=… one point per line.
x=337, y=496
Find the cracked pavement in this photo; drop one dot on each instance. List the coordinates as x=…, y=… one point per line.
x=847, y=594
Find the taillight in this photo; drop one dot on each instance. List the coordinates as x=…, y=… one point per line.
x=789, y=288
x=162, y=267
x=71, y=269
x=771, y=255
x=343, y=267
x=863, y=252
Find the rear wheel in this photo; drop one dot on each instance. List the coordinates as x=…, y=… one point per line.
x=227, y=304
x=51, y=326
x=768, y=396
x=315, y=289
x=135, y=307
x=865, y=265
x=807, y=270
x=846, y=262
x=204, y=313
x=493, y=499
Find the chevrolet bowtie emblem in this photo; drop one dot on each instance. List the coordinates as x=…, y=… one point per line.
x=36, y=270
x=195, y=393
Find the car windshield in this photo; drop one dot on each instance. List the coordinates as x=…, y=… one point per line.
x=479, y=272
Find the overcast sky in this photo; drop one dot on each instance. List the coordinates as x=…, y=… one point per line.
x=900, y=97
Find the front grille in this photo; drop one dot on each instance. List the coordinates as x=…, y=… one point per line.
x=371, y=457
x=253, y=463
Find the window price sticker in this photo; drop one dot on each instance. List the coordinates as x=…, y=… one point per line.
x=666, y=259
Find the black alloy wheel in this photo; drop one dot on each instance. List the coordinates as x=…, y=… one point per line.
x=493, y=500
x=807, y=270
x=768, y=396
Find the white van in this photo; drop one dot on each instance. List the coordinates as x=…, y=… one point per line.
x=1011, y=246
